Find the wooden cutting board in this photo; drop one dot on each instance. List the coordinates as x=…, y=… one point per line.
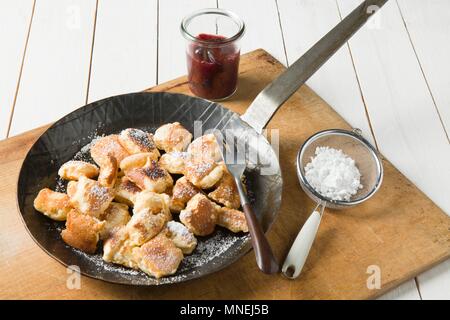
x=399, y=230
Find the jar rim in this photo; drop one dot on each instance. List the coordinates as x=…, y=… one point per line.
x=185, y=23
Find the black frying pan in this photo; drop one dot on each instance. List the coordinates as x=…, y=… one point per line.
x=66, y=138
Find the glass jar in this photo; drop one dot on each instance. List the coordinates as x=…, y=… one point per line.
x=212, y=52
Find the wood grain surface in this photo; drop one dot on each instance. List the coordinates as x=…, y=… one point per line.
x=399, y=230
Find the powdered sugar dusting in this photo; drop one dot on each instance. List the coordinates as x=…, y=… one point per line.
x=209, y=251
x=179, y=229
x=60, y=185
x=140, y=137
x=179, y=154
x=333, y=174
x=85, y=152
x=200, y=168
x=101, y=194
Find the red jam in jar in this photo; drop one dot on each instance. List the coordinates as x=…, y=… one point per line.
x=213, y=65
x=212, y=48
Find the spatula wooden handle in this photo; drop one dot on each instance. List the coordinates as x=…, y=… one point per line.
x=263, y=252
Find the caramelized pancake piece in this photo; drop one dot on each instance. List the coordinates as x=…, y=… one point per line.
x=226, y=192
x=89, y=197
x=112, y=245
x=159, y=257
x=82, y=231
x=200, y=215
x=151, y=212
x=108, y=145
x=138, y=141
x=137, y=160
x=108, y=172
x=181, y=236
x=151, y=177
x=172, y=137
x=182, y=192
x=233, y=220
x=144, y=225
x=54, y=205
x=174, y=162
x=118, y=249
x=126, y=191
x=73, y=170
x=203, y=172
x=205, y=147
x=115, y=217
x=155, y=202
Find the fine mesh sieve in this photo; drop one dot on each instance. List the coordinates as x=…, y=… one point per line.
x=371, y=169
x=355, y=146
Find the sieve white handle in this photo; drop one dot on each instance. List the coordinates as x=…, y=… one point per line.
x=298, y=254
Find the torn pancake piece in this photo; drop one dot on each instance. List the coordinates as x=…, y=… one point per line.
x=115, y=217
x=200, y=215
x=137, y=160
x=82, y=231
x=125, y=191
x=226, y=192
x=233, y=220
x=144, y=225
x=182, y=192
x=151, y=177
x=205, y=147
x=73, y=170
x=203, y=172
x=181, y=236
x=108, y=145
x=172, y=137
x=108, y=171
x=174, y=162
x=89, y=197
x=54, y=205
x=118, y=249
x=138, y=141
x=159, y=257
x=155, y=202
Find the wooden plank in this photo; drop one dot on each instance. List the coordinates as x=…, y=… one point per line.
x=171, y=55
x=374, y=233
x=125, y=48
x=304, y=23
x=15, y=18
x=406, y=291
x=434, y=284
x=429, y=28
x=262, y=26
x=402, y=113
x=56, y=66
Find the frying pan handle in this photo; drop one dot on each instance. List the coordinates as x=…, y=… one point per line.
x=277, y=92
x=264, y=256
x=299, y=252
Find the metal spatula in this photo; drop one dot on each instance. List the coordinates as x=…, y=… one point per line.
x=235, y=160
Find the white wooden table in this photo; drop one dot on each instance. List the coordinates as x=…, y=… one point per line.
x=392, y=80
